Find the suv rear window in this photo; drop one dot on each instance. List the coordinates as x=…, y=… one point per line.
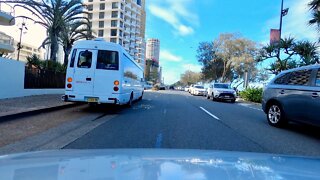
x=108, y=60
x=85, y=59
x=283, y=79
x=318, y=78
x=300, y=78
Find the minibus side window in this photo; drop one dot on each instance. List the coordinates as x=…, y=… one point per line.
x=85, y=59
x=73, y=57
x=108, y=60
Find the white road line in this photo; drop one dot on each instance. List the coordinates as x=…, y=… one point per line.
x=209, y=113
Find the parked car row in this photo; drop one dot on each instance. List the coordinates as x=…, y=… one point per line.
x=215, y=91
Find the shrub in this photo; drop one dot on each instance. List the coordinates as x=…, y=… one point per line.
x=252, y=94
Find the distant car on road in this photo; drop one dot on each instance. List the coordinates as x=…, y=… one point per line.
x=186, y=89
x=198, y=90
x=221, y=91
x=191, y=88
x=162, y=88
x=293, y=95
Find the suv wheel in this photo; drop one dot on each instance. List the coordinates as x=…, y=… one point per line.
x=213, y=99
x=208, y=97
x=275, y=115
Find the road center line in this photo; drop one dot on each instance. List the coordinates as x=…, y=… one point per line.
x=209, y=113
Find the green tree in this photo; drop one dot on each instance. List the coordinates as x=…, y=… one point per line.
x=74, y=31
x=54, y=16
x=227, y=55
x=190, y=77
x=289, y=54
x=315, y=17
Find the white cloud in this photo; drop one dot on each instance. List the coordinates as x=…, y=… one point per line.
x=165, y=55
x=170, y=76
x=174, y=12
x=192, y=67
x=295, y=24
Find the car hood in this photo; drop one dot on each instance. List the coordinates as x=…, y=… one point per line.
x=224, y=90
x=155, y=164
x=197, y=89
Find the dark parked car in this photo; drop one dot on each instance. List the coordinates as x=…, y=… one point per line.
x=293, y=95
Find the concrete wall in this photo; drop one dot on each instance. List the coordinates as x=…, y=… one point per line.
x=12, y=81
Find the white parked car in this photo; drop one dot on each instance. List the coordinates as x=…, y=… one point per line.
x=198, y=90
x=221, y=91
x=186, y=89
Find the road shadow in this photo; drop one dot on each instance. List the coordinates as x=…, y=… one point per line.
x=304, y=129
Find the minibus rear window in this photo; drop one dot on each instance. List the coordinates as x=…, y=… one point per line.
x=73, y=57
x=85, y=59
x=108, y=60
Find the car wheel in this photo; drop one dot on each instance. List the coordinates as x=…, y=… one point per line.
x=213, y=99
x=140, y=98
x=208, y=97
x=233, y=100
x=275, y=115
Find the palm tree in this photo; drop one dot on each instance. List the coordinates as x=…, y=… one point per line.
x=53, y=15
x=314, y=6
x=307, y=52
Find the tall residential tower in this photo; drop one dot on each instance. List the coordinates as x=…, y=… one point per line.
x=122, y=22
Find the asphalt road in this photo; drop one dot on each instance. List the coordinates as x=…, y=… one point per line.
x=174, y=119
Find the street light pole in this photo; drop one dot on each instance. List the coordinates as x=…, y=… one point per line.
x=19, y=44
x=281, y=15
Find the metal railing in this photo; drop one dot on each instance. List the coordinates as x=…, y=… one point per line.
x=5, y=39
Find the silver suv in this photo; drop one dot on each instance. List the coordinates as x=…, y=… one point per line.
x=221, y=91
x=293, y=95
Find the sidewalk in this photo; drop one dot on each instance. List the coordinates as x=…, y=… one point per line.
x=21, y=105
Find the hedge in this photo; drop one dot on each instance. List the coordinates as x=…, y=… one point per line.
x=252, y=94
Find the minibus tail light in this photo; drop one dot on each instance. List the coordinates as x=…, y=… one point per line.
x=116, y=88
x=116, y=83
x=69, y=79
x=69, y=86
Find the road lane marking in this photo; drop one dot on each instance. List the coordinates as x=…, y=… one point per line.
x=158, y=141
x=209, y=113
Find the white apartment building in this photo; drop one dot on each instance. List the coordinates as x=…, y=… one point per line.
x=122, y=22
x=27, y=50
x=153, y=49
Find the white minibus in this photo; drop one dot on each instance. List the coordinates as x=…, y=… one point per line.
x=101, y=72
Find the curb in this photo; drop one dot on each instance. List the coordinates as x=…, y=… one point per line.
x=36, y=111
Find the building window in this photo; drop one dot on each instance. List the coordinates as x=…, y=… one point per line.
x=121, y=15
x=121, y=24
x=101, y=15
x=101, y=24
x=90, y=1
x=113, y=32
x=100, y=33
x=89, y=15
x=139, y=2
x=102, y=6
x=114, y=14
x=120, y=33
x=114, y=40
x=122, y=6
x=114, y=23
x=90, y=24
x=115, y=5
x=90, y=7
x=120, y=42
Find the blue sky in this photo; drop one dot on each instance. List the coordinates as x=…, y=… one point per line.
x=182, y=24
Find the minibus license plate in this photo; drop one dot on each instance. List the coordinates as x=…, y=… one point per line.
x=92, y=100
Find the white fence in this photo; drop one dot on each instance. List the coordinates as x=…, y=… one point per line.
x=12, y=81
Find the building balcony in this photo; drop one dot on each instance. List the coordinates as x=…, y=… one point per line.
x=6, y=15
x=6, y=43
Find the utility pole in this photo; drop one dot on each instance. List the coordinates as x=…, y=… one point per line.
x=283, y=13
